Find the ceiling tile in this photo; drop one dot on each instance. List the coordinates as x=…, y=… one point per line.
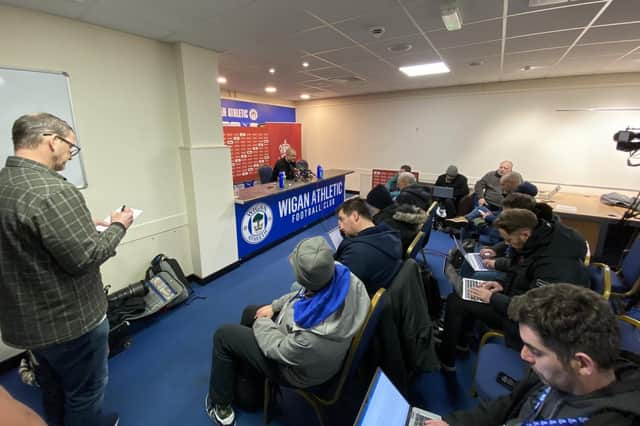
x=346, y=55
x=328, y=73
x=313, y=61
x=335, y=10
x=542, y=41
x=521, y=6
x=540, y=58
x=471, y=53
x=393, y=19
x=620, y=11
x=55, y=7
x=417, y=42
x=427, y=13
x=473, y=33
x=551, y=20
x=612, y=33
x=319, y=40
x=603, y=49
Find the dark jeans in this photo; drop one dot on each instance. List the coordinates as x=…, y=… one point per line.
x=73, y=376
x=459, y=317
x=237, y=359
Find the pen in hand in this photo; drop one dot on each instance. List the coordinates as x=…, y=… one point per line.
x=123, y=207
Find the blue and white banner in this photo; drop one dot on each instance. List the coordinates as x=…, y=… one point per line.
x=270, y=219
x=252, y=114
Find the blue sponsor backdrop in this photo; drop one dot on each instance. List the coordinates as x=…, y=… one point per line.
x=267, y=220
x=248, y=114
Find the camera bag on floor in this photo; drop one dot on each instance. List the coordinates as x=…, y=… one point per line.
x=170, y=271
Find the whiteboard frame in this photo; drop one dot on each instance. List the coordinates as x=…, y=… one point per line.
x=78, y=158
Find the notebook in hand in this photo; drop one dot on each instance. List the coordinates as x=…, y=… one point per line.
x=384, y=405
x=473, y=259
x=467, y=284
x=335, y=236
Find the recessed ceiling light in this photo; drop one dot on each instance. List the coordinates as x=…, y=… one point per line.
x=425, y=69
x=400, y=47
x=305, y=96
x=270, y=89
x=272, y=70
x=222, y=80
x=305, y=64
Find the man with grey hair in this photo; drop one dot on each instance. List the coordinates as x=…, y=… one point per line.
x=488, y=188
x=52, y=300
x=300, y=339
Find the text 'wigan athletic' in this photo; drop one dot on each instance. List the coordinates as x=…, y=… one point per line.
x=309, y=199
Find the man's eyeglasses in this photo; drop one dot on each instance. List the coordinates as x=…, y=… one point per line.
x=73, y=148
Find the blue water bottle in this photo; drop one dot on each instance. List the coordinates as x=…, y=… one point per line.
x=319, y=172
x=281, y=180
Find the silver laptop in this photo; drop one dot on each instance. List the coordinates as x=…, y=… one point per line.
x=467, y=284
x=335, y=236
x=473, y=259
x=384, y=405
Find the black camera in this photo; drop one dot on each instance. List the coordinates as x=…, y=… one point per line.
x=138, y=289
x=627, y=140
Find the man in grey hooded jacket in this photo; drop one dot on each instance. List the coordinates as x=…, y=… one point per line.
x=300, y=339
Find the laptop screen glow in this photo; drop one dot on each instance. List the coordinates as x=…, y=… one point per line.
x=385, y=405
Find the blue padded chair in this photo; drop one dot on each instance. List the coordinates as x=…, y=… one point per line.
x=415, y=246
x=626, y=281
x=327, y=396
x=264, y=173
x=629, y=333
x=494, y=358
x=421, y=239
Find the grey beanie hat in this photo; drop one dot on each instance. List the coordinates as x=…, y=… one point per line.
x=452, y=171
x=312, y=263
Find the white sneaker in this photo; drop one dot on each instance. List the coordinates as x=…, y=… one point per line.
x=229, y=420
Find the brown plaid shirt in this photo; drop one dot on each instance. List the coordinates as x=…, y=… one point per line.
x=50, y=256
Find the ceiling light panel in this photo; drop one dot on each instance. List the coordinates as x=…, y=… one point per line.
x=425, y=69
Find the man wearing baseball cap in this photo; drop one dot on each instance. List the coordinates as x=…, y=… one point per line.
x=452, y=179
x=299, y=340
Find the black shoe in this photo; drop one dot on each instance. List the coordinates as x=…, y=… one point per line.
x=221, y=416
x=446, y=367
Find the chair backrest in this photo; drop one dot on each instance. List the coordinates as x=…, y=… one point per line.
x=331, y=391
x=629, y=333
x=302, y=165
x=587, y=257
x=265, y=172
x=415, y=246
x=465, y=205
x=600, y=279
x=428, y=224
x=630, y=268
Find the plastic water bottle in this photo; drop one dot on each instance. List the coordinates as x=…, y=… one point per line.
x=281, y=180
x=319, y=172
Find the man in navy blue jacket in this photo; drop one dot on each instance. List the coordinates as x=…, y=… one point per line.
x=373, y=253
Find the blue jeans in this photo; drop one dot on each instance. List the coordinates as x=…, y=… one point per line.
x=73, y=376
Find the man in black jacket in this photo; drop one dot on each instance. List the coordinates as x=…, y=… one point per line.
x=578, y=376
x=542, y=253
x=286, y=164
x=373, y=253
x=458, y=182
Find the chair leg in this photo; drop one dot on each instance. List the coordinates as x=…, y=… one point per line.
x=267, y=399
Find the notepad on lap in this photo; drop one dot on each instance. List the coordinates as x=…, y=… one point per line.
x=335, y=236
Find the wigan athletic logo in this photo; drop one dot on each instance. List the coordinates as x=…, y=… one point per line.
x=256, y=223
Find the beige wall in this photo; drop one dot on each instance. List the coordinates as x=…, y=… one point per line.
x=125, y=97
x=476, y=126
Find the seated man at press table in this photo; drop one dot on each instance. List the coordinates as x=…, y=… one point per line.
x=373, y=253
x=286, y=164
x=299, y=340
x=578, y=375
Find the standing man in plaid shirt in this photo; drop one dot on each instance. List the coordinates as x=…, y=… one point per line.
x=51, y=293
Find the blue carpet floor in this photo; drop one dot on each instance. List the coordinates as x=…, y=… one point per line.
x=163, y=377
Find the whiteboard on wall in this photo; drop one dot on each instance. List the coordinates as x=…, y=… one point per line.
x=27, y=91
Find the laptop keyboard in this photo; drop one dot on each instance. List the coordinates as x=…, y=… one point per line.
x=469, y=283
x=419, y=420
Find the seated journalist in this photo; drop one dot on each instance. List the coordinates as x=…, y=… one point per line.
x=577, y=373
x=298, y=340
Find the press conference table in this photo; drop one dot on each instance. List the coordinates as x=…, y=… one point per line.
x=266, y=214
x=587, y=215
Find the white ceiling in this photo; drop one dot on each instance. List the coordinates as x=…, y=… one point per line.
x=503, y=36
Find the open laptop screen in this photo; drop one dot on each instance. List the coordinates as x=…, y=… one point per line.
x=384, y=404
